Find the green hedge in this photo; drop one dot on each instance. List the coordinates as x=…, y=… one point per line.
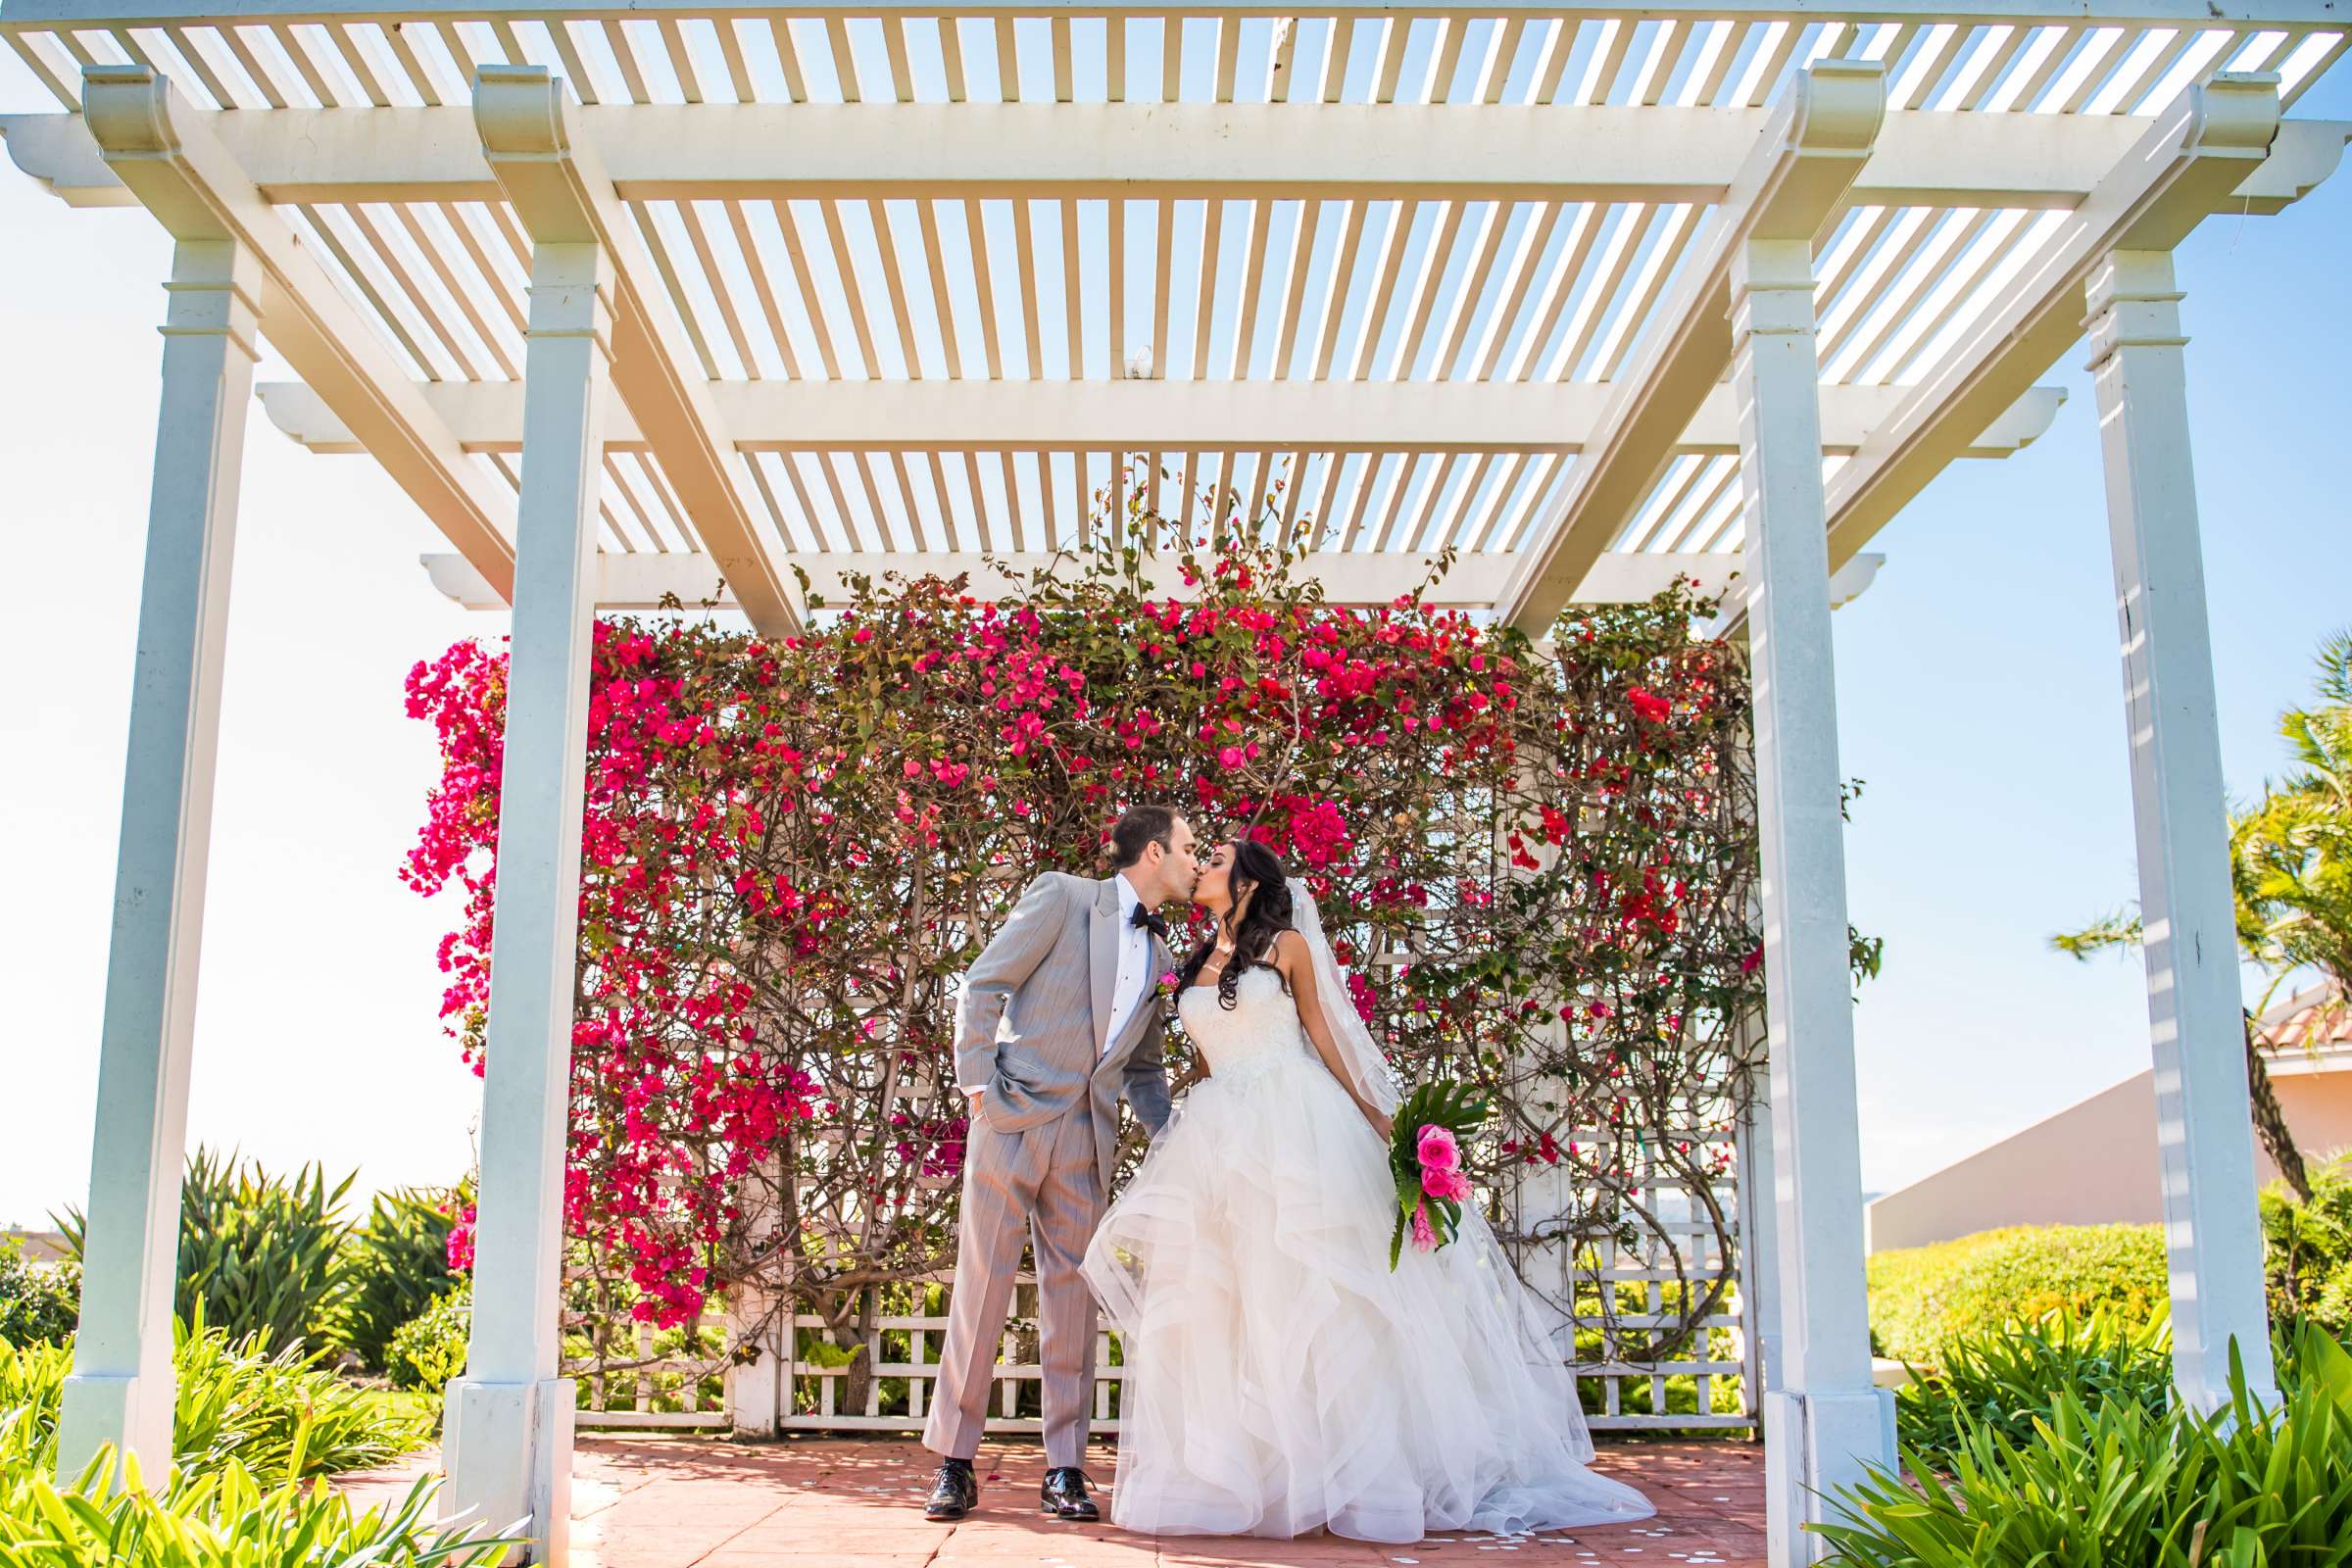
x=1922, y=1297
x=2308, y=1250
x=429, y=1348
x=37, y=1302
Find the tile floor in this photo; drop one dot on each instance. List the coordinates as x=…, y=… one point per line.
x=664, y=1502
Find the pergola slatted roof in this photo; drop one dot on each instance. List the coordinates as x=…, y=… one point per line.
x=1595, y=296
x=937, y=280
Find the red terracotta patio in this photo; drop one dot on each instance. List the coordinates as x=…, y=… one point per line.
x=661, y=1502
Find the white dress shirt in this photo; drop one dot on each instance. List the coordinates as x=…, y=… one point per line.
x=1135, y=964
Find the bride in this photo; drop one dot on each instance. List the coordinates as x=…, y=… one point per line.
x=1279, y=1377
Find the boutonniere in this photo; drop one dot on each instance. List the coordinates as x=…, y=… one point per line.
x=1168, y=984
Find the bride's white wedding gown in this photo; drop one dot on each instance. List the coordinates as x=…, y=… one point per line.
x=1279, y=1376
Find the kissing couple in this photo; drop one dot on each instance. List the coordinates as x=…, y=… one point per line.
x=1280, y=1377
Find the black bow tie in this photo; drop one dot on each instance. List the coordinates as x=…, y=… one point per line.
x=1150, y=921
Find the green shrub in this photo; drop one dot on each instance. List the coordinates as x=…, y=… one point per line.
x=222, y=1519
x=37, y=1301
x=429, y=1348
x=278, y=1415
x=258, y=1254
x=399, y=1262
x=1922, y=1297
x=2010, y=1380
x=240, y=1401
x=2307, y=1251
x=2121, y=1487
x=31, y=1375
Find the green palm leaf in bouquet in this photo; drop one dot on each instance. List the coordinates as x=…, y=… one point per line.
x=1432, y=1193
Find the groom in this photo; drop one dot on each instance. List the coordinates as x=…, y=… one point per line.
x=1056, y=1015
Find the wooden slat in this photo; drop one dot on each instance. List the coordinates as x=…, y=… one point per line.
x=624, y=55
x=845, y=59
x=1396, y=31
x=893, y=283
x=1425, y=287
x=255, y=70
x=738, y=220
x=813, y=306
x=1294, y=294
x=681, y=64
x=666, y=267
x=1339, y=278
x=1625, y=244
x=1534, y=241
x=788, y=56
x=894, y=44
x=983, y=276
x=1073, y=348
x=943, y=312
x=854, y=296
x=1382, y=296
x=1502, y=51
x=1616, y=37
x=1205, y=303
x=1254, y=267
x=1031, y=301
x=1678, y=223
x=951, y=52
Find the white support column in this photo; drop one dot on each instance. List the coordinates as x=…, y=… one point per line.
x=121, y=1390
x=759, y=1331
x=2203, y=1123
x=510, y=1419
x=1761, y=1352
x=1823, y=1420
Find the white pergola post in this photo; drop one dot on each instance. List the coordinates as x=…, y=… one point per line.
x=1823, y=1419
x=120, y=1391
x=510, y=1426
x=1759, y=1247
x=2203, y=1123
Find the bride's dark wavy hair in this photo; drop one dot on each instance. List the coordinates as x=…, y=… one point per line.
x=1257, y=872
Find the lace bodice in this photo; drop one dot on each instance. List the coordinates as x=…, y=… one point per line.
x=1261, y=1030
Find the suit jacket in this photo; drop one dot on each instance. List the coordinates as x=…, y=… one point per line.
x=1036, y=1009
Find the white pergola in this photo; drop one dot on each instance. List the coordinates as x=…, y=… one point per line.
x=655, y=297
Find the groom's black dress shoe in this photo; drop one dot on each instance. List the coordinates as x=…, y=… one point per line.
x=953, y=1493
x=1063, y=1495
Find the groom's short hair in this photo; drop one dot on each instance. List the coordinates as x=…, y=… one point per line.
x=1138, y=827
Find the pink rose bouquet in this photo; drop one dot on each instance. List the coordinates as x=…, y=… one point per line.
x=1425, y=1155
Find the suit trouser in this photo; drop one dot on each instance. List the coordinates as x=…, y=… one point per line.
x=1043, y=1175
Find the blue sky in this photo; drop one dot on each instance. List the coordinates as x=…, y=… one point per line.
x=1981, y=692
x=1979, y=686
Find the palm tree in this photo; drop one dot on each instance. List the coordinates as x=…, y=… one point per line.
x=2290, y=876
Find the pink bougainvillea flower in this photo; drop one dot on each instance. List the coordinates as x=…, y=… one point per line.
x=1436, y=1148
x=774, y=797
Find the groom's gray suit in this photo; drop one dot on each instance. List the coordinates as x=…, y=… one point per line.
x=1032, y=1032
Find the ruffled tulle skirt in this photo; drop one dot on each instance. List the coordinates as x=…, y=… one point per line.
x=1280, y=1378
